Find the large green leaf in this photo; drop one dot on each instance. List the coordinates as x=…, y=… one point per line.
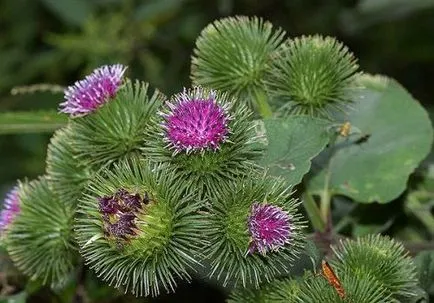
x=291, y=144
x=425, y=265
x=391, y=135
x=31, y=122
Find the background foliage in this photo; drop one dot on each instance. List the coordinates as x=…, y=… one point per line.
x=56, y=42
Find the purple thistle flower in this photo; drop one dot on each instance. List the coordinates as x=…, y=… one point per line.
x=132, y=201
x=119, y=212
x=269, y=228
x=108, y=205
x=196, y=122
x=95, y=90
x=11, y=207
x=128, y=201
x=124, y=226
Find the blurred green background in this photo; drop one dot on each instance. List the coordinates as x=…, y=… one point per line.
x=60, y=41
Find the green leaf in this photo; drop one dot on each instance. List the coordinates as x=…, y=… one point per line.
x=74, y=12
x=391, y=134
x=292, y=143
x=30, y=122
x=425, y=265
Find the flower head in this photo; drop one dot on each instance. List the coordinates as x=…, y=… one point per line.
x=151, y=237
x=196, y=122
x=11, y=207
x=120, y=211
x=269, y=228
x=233, y=54
x=313, y=75
x=95, y=90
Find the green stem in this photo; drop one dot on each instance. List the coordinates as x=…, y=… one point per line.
x=313, y=212
x=262, y=103
x=326, y=195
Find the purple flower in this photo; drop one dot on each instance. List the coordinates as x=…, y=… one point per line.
x=123, y=227
x=134, y=202
x=128, y=201
x=95, y=90
x=108, y=205
x=269, y=228
x=196, y=121
x=11, y=207
x=119, y=212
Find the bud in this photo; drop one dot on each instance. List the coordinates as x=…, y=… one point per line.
x=312, y=75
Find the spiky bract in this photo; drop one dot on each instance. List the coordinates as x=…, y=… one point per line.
x=313, y=75
x=277, y=291
x=208, y=169
x=89, y=94
x=40, y=241
x=116, y=130
x=229, y=238
x=383, y=260
x=359, y=287
x=250, y=295
x=160, y=245
x=66, y=175
x=233, y=55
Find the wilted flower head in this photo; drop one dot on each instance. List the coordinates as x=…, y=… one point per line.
x=269, y=228
x=95, y=90
x=11, y=207
x=120, y=211
x=196, y=121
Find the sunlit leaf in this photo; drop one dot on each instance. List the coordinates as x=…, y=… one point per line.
x=292, y=143
x=392, y=135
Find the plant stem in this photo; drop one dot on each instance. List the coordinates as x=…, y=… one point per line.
x=313, y=212
x=262, y=103
x=326, y=195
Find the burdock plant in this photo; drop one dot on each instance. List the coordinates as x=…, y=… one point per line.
x=116, y=115
x=205, y=137
x=313, y=75
x=149, y=191
x=40, y=239
x=254, y=231
x=138, y=228
x=233, y=55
